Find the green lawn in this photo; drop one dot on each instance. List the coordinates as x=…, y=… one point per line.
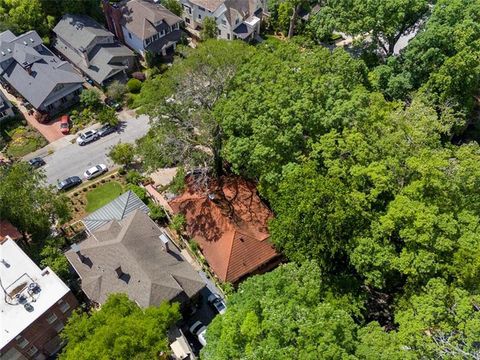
x=20, y=138
x=102, y=195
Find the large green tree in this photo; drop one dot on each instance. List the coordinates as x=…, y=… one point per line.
x=282, y=101
x=381, y=22
x=28, y=203
x=288, y=313
x=119, y=330
x=180, y=103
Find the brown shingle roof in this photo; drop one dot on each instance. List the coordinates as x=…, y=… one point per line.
x=142, y=17
x=230, y=228
x=153, y=275
x=8, y=229
x=210, y=5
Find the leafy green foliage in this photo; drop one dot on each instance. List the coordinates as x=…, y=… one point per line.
x=51, y=255
x=177, y=186
x=116, y=91
x=133, y=177
x=157, y=212
x=288, y=313
x=384, y=21
x=90, y=98
x=107, y=115
x=28, y=204
x=267, y=127
x=122, y=154
x=139, y=191
x=178, y=223
x=119, y=330
x=209, y=29
x=174, y=6
x=180, y=103
x=134, y=86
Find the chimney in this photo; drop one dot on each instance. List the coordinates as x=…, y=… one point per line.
x=119, y=271
x=113, y=15
x=85, y=57
x=165, y=242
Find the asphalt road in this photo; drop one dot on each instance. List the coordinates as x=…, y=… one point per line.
x=73, y=159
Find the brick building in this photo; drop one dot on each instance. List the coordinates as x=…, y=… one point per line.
x=34, y=306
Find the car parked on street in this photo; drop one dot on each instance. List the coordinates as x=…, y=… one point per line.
x=106, y=129
x=199, y=330
x=69, y=183
x=217, y=303
x=65, y=124
x=36, y=162
x=86, y=137
x=95, y=171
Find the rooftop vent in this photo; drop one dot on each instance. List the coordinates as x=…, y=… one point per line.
x=24, y=42
x=3, y=53
x=31, y=40
x=21, y=299
x=33, y=288
x=5, y=263
x=165, y=242
x=9, y=50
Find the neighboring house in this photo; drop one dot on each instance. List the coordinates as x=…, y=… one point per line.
x=143, y=25
x=236, y=19
x=8, y=230
x=30, y=69
x=6, y=109
x=133, y=256
x=34, y=306
x=229, y=223
x=93, y=49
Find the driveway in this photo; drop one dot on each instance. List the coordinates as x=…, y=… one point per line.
x=71, y=159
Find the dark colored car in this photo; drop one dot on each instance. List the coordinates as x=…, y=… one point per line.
x=106, y=129
x=65, y=124
x=36, y=162
x=113, y=104
x=69, y=183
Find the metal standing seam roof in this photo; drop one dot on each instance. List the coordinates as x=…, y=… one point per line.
x=114, y=210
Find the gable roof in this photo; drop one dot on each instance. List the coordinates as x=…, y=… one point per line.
x=117, y=209
x=31, y=69
x=230, y=226
x=142, y=17
x=79, y=30
x=150, y=275
x=76, y=33
x=210, y=5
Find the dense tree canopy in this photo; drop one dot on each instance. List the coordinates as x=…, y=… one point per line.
x=383, y=22
x=180, y=102
x=119, y=330
x=27, y=203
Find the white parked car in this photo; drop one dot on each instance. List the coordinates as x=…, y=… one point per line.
x=217, y=303
x=199, y=330
x=86, y=137
x=95, y=171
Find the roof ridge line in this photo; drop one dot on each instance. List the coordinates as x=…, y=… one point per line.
x=230, y=252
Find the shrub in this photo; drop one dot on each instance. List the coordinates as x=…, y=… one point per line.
x=116, y=91
x=134, y=86
x=133, y=177
x=178, y=223
x=157, y=213
x=178, y=183
x=122, y=171
x=193, y=245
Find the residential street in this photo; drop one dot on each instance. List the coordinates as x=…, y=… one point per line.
x=71, y=159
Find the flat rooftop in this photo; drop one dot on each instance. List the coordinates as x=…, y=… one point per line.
x=28, y=291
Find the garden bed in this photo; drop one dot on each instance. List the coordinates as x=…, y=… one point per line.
x=20, y=138
x=92, y=196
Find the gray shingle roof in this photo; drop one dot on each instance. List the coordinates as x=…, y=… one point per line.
x=151, y=274
x=118, y=209
x=142, y=17
x=75, y=32
x=31, y=69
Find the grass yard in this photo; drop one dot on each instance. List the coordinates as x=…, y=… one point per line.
x=102, y=195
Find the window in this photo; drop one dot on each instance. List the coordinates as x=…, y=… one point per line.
x=199, y=16
x=50, y=107
x=224, y=22
x=219, y=32
x=58, y=326
x=187, y=20
x=63, y=100
x=228, y=36
x=63, y=305
x=51, y=318
x=201, y=8
x=21, y=342
x=32, y=351
x=129, y=35
x=237, y=21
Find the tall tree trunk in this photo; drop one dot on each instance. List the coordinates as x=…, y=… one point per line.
x=293, y=20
